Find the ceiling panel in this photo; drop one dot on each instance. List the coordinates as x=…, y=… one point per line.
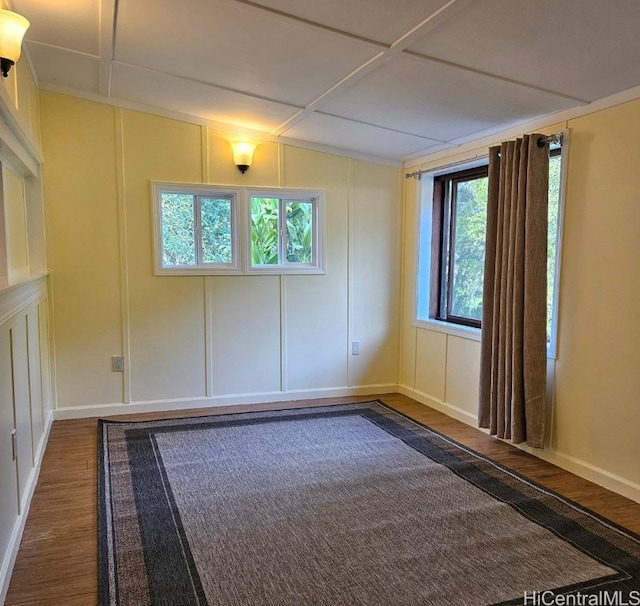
x=65, y=68
x=363, y=138
x=586, y=49
x=185, y=96
x=255, y=63
x=378, y=20
x=440, y=102
x=72, y=24
x=235, y=46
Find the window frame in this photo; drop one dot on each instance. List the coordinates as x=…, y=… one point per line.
x=426, y=224
x=316, y=198
x=240, y=198
x=445, y=210
x=198, y=192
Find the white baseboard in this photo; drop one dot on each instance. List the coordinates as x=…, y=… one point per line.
x=448, y=409
x=18, y=528
x=585, y=470
x=104, y=410
x=581, y=468
x=577, y=466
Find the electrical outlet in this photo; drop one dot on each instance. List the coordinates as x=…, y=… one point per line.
x=355, y=348
x=117, y=363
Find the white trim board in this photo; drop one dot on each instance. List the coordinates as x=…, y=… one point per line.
x=6, y=567
x=104, y=410
x=448, y=409
x=581, y=468
x=572, y=464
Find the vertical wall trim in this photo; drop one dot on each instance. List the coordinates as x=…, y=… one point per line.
x=401, y=240
x=46, y=351
x=208, y=284
x=350, y=262
x=415, y=356
x=204, y=133
x=125, y=320
x=29, y=379
x=51, y=336
x=283, y=334
x=445, y=395
x=284, y=363
x=208, y=335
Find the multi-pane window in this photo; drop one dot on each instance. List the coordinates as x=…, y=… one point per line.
x=283, y=231
x=197, y=230
x=215, y=230
x=452, y=245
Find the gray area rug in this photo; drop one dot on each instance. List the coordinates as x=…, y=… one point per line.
x=340, y=505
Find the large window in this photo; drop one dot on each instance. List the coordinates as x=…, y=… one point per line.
x=452, y=244
x=460, y=203
x=220, y=230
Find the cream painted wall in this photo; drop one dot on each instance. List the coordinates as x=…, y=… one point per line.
x=372, y=271
x=201, y=340
x=597, y=411
x=15, y=221
x=82, y=214
x=166, y=316
x=594, y=414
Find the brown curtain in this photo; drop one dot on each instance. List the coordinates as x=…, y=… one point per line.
x=514, y=309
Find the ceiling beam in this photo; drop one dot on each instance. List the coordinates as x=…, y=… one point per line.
x=421, y=29
x=108, y=19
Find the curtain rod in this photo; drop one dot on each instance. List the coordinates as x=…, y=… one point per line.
x=542, y=141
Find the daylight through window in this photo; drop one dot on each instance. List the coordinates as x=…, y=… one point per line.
x=216, y=230
x=282, y=231
x=452, y=245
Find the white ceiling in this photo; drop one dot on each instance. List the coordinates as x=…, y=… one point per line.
x=393, y=79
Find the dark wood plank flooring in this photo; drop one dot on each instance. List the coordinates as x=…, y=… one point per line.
x=57, y=561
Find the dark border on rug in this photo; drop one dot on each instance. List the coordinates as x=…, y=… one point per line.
x=408, y=436
x=517, y=474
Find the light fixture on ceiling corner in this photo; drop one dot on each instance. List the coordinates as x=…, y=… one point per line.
x=12, y=29
x=243, y=154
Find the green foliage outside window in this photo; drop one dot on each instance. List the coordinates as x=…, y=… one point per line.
x=469, y=244
x=265, y=232
x=299, y=232
x=178, y=230
x=216, y=230
x=555, y=164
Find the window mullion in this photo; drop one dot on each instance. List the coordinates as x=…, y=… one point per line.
x=452, y=246
x=197, y=211
x=443, y=285
x=282, y=245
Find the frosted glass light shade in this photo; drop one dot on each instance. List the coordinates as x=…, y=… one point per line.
x=243, y=154
x=12, y=29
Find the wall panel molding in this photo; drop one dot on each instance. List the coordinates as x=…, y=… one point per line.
x=95, y=410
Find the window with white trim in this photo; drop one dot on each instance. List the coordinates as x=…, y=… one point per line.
x=452, y=240
x=208, y=230
x=284, y=231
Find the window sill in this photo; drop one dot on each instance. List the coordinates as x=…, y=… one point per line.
x=457, y=330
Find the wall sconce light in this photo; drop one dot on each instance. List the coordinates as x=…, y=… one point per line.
x=12, y=30
x=243, y=154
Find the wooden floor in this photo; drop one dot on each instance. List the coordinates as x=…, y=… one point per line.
x=57, y=561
